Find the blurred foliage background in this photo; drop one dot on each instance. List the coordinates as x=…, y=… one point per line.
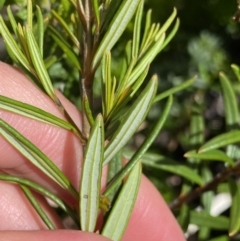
x=206, y=43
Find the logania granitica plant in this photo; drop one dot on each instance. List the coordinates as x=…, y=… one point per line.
x=85, y=34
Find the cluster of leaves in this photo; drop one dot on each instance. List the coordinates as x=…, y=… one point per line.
x=93, y=28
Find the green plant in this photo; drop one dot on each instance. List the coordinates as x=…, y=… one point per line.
x=93, y=28
x=80, y=45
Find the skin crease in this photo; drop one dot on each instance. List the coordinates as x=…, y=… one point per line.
x=151, y=219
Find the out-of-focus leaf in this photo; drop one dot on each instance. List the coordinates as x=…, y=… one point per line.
x=212, y=155
x=221, y=141
x=122, y=209
x=233, y=151
x=236, y=71
x=165, y=164
x=37, y=207
x=174, y=90
x=2, y=3
x=35, y=156
x=203, y=219
x=220, y=238
x=116, y=28
x=134, y=117
x=206, y=200
x=66, y=48
x=66, y=28
x=91, y=177
x=230, y=101
x=196, y=135
x=184, y=217
x=234, y=223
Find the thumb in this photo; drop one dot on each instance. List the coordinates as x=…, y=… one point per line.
x=58, y=235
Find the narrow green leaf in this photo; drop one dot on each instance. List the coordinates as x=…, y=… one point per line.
x=137, y=30
x=29, y=14
x=37, y=207
x=122, y=209
x=168, y=22
x=146, y=59
x=35, y=156
x=118, y=108
x=88, y=111
x=43, y=191
x=141, y=150
x=66, y=48
x=184, y=217
x=221, y=141
x=171, y=34
x=134, y=117
x=211, y=155
x=107, y=84
x=220, y=238
x=233, y=151
x=176, y=89
x=113, y=168
x=96, y=13
x=116, y=28
x=13, y=46
x=40, y=30
x=38, y=63
x=2, y=3
x=34, y=113
x=196, y=135
x=147, y=28
x=66, y=28
x=234, y=223
x=203, y=219
x=91, y=177
x=206, y=201
x=236, y=71
x=230, y=101
x=173, y=167
x=150, y=38
x=12, y=20
x=50, y=60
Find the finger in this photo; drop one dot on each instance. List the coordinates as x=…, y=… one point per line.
x=65, y=150
x=59, y=145
x=151, y=218
x=16, y=212
x=59, y=235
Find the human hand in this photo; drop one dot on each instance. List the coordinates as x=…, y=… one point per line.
x=151, y=219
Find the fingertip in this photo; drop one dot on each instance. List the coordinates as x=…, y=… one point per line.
x=151, y=218
x=56, y=235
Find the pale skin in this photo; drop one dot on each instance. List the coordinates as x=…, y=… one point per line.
x=151, y=219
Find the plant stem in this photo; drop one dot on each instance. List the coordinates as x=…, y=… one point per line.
x=87, y=73
x=220, y=177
